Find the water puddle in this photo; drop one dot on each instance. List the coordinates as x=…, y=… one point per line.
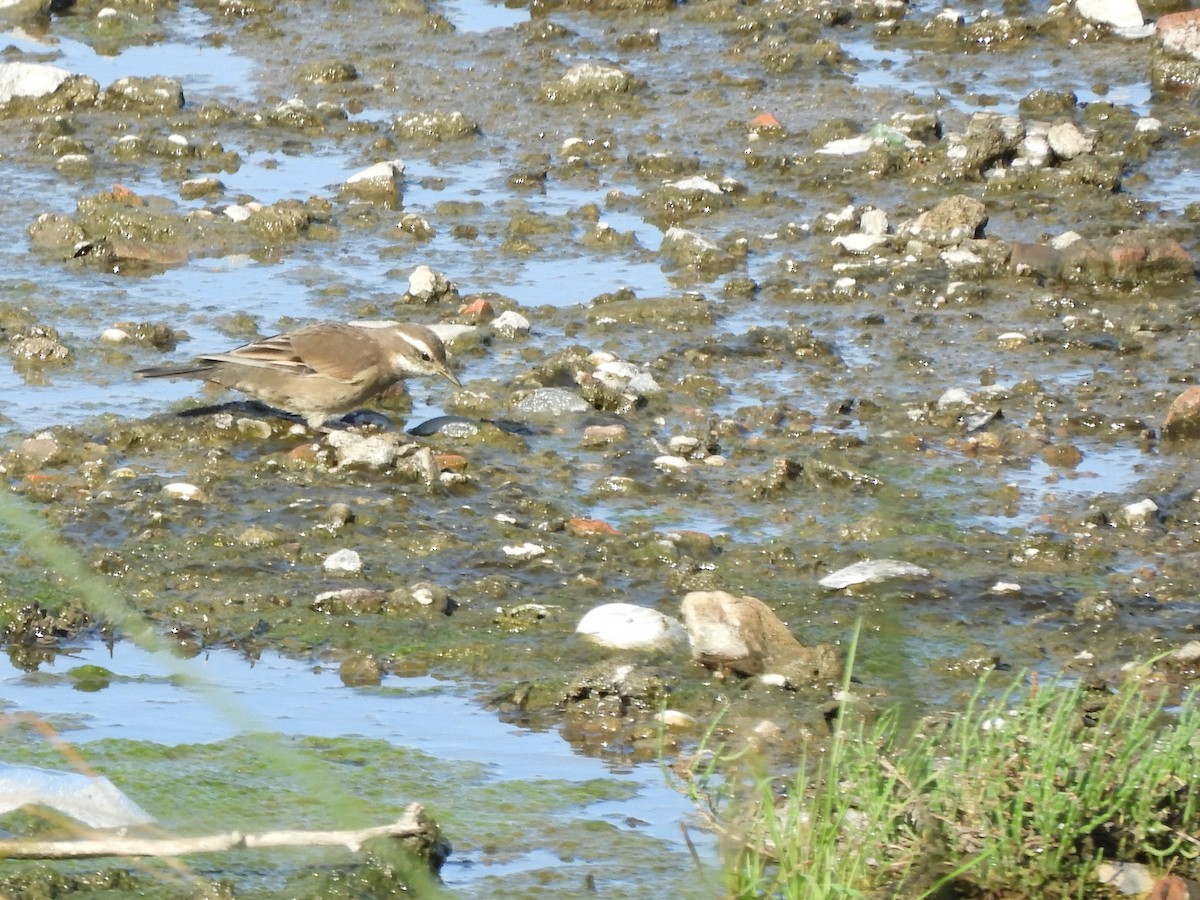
x=971, y=75
x=1104, y=471
x=203, y=69
x=147, y=700
x=551, y=279
x=480, y=15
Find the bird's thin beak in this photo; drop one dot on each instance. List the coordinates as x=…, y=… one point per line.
x=450, y=376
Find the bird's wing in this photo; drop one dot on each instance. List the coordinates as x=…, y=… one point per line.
x=332, y=350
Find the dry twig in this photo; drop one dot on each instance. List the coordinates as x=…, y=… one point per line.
x=412, y=824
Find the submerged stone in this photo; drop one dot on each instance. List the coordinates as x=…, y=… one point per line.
x=872, y=571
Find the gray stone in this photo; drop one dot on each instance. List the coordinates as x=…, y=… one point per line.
x=870, y=571
x=1068, y=142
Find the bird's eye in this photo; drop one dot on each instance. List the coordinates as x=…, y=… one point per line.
x=426, y=357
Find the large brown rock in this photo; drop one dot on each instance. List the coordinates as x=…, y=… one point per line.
x=743, y=634
x=1183, y=416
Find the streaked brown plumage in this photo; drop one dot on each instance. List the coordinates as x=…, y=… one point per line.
x=322, y=369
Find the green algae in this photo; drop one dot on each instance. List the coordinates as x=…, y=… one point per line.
x=260, y=782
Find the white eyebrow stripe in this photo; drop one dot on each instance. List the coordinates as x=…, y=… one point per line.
x=415, y=342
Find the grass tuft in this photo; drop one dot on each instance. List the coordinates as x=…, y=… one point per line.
x=1023, y=794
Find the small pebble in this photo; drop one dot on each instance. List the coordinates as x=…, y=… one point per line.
x=511, y=324
x=671, y=463
x=603, y=435
x=361, y=671
x=338, y=514
x=524, y=551
x=181, y=490
x=343, y=561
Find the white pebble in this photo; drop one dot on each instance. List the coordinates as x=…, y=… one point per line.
x=1140, y=514
x=527, y=550
x=343, y=560
x=626, y=626
x=181, y=490
x=954, y=397
x=671, y=463
x=675, y=720
x=511, y=323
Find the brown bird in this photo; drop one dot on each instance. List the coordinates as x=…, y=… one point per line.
x=320, y=369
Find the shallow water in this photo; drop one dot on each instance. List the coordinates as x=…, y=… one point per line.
x=211, y=698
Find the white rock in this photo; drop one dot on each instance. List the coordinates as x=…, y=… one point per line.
x=848, y=146
x=1013, y=339
x=371, y=451
x=695, y=183
x=1068, y=142
x=618, y=369
x=343, y=560
x=1117, y=13
x=551, y=401
x=524, y=551
x=1127, y=878
x=874, y=221
x=182, y=490
x=68, y=160
x=870, y=571
x=381, y=175
x=643, y=385
x=1005, y=587
x=1036, y=149
x=597, y=77
x=954, y=397
x=22, y=79
x=859, y=243
x=237, y=212
x=675, y=720
x=679, y=239
x=1065, y=240
x=114, y=335
x=683, y=445
x=960, y=257
x=625, y=626
x=671, y=463
x=1141, y=514
x=511, y=323
x=847, y=215
x=423, y=282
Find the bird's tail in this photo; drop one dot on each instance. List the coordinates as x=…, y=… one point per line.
x=199, y=367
